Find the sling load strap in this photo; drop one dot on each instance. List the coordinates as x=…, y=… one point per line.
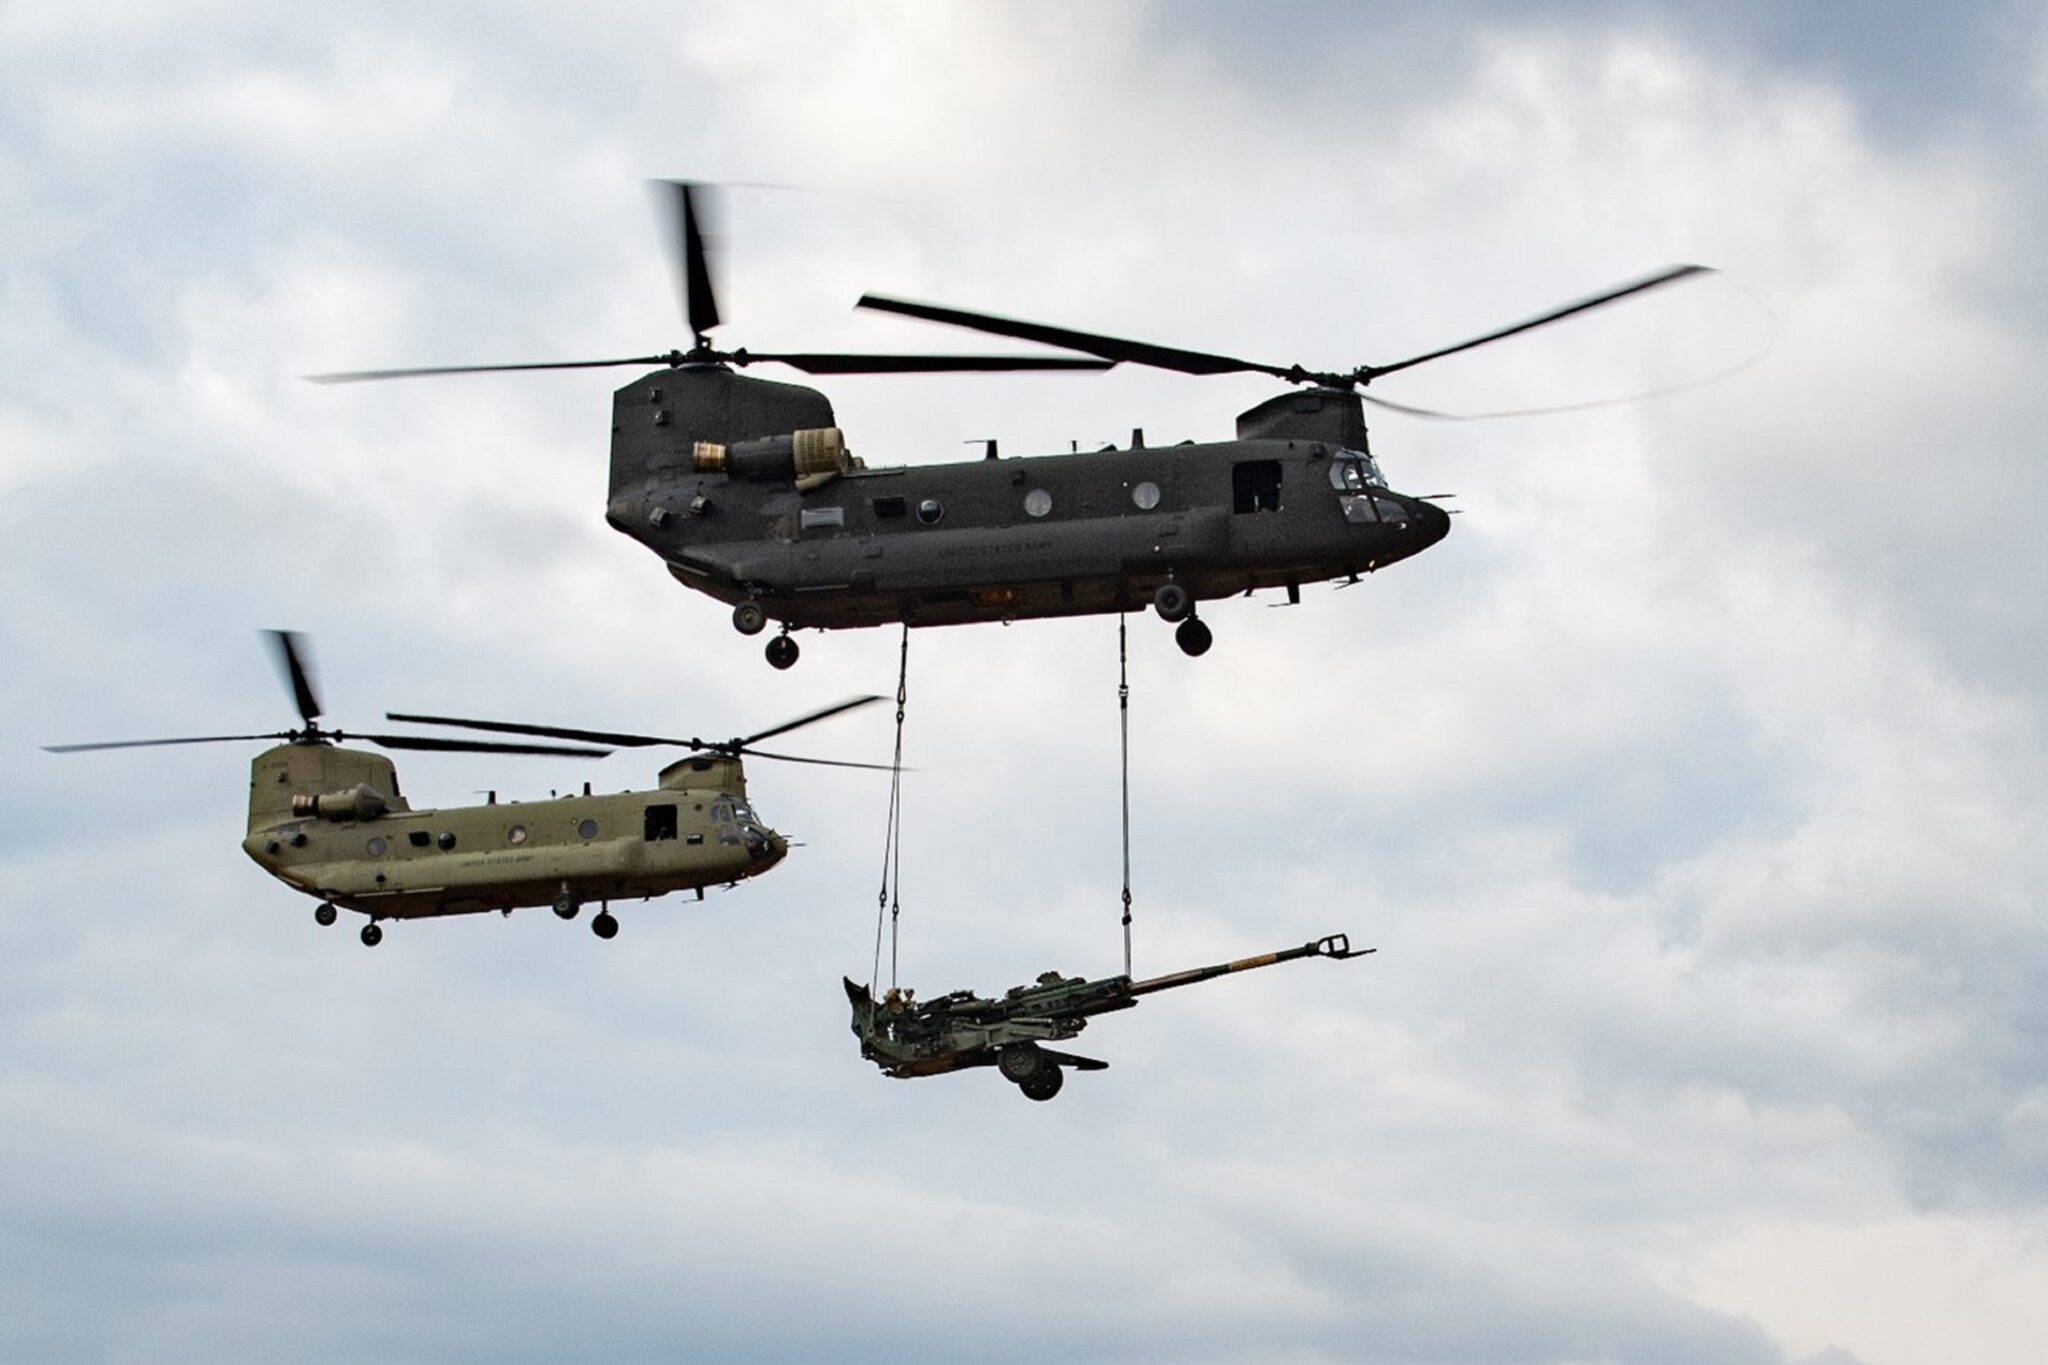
x=889, y=901
x=1123, y=706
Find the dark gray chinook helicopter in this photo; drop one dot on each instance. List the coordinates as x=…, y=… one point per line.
x=748, y=490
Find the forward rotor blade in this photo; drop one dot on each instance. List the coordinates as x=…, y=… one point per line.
x=153, y=743
x=360, y=376
x=501, y=727
x=292, y=652
x=813, y=718
x=1088, y=343
x=1662, y=277
x=1410, y=410
x=469, y=746
x=821, y=762
x=623, y=740
x=821, y=363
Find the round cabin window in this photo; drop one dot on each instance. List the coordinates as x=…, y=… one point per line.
x=930, y=510
x=446, y=841
x=1146, y=495
x=1037, y=502
x=377, y=847
x=516, y=835
x=588, y=829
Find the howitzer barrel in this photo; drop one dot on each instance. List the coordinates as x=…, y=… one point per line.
x=1335, y=946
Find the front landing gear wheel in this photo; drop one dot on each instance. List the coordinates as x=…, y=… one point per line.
x=372, y=935
x=605, y=926
x=748, y=618
x=1193, y=638
x=1173, y=602
x=782, y=651
x=1044, y=1085
x=323, y=913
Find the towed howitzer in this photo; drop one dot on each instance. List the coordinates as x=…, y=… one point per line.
x=952, y=1032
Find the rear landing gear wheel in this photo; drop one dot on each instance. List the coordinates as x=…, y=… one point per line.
x=566, y=906
x=605, y=926
x=1193, y=638
x=323, y=913
x=372, y=935
x=748, y=618
x=782, y=651
x=1173, y=602
x=1044, y=1085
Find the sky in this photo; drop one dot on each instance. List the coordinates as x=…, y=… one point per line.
x=1691, y=791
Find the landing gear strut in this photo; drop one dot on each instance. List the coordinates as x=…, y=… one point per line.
x=782, y=651
x=1193, y=637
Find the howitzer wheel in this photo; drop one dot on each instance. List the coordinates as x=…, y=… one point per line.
x=1019, y=1062
x=1045, y=1084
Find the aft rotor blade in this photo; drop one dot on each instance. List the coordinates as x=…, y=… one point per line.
x=359, y=376
x=689, y=203
x=1662, y=277
x=502, y=727
x=1088, y=343
x=822, y=363
x=291, y=652
x=813, y=718
x=470, y=746
x=153, y=743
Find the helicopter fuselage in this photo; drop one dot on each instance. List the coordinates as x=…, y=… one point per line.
x=704, y=474
x=330, y=822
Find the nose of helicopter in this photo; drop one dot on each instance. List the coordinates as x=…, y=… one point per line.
x=1429, y=521
x=771, y=849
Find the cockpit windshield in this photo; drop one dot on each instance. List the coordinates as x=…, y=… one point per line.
x=1354, y=471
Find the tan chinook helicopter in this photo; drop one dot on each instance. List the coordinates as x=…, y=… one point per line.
x=331, y=821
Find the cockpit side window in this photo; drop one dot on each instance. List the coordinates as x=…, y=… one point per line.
x=1353, y=471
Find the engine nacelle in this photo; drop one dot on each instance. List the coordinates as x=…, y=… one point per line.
x=810, y=457
x=364, y=802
